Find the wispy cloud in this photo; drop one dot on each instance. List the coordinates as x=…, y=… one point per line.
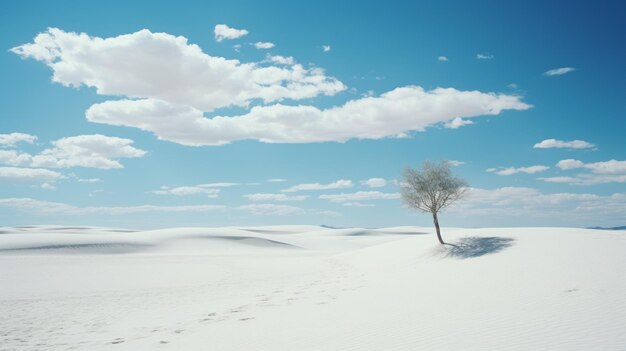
x=587, y=179
x=456, y=163
x=47, y=207
x=48, y=186
x=207, y=189
x=88, y=151
x=357, y=204
x=217, y=185
x=36, y=175
x=89, y=180
x=457, y=123
x=374, y=182
x=340, y=184
x=559, y=71
x=359, y=196
x=560, y=179
x=524, y=203
x=484, y=56
x=612, y=171
x=507, y=171
x=39, y=207
x=281, y=60
x=606, y=167
x=223, y=32
x=560, y=144
x=187, y=191
x=442, y=58
x=264, y=45
x=43, y=178
x=326, y=48
x=10, y=140
x=519, y=205
x=275, y=197
x=570, y=164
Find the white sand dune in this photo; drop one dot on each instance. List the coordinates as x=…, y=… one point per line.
x=311, y=288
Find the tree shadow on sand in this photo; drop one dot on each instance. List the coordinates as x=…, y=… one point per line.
x=477, y=246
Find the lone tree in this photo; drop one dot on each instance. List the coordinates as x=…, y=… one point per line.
x=432, y=189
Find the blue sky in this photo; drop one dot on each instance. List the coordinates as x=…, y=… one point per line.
x=155, y=113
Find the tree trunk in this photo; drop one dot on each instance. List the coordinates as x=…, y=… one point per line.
x=437, y=227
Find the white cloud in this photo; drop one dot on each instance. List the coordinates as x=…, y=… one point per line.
x=569, y=164
x=94, y=192
x=326, y=48
x=520, y=196
x=39, y=207
x=263, y=45
x=559, y=71
x=90, y=180
x=166, y=68
x=223, y=31
x=15, y=158
x=187, y=191
x=612, y=171
x=357, y=204
x=484, y=56
x=359, y=196
x=457, y=122
x=591, y=179
x=271, y=209
x=48, y=186
x=281, y=60
x=169, y=85
x=10, y=140
x=33, y=206
x=37, y=175
x=217, y=185
x=340, y=184
x=559, y=179
x=588, y=179
x=52, y=208
x=89, y=151
x=374, y=182
x=368, y=93
x=606, y=167
x=442, y=58
x=455, y=163
x=276, y=180
x=391, y=114
x=275, y=197
x=513, y=170
x=573, y=144
x=528, y=204
x=326, y=213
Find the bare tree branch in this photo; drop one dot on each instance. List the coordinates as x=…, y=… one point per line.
x=431, y=189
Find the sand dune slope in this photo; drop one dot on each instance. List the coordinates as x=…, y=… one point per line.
x=311, y=288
